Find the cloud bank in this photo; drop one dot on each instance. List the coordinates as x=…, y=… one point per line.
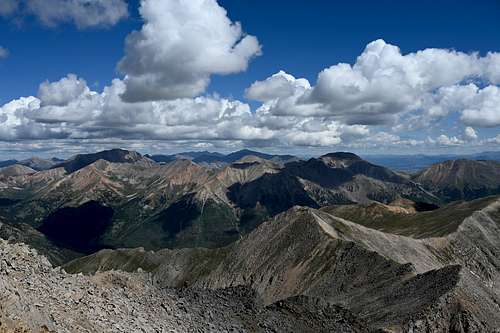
x=69, y=109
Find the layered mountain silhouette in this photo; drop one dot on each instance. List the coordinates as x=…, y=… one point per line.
x=34, y=163
x=209, y=158
x=415, y=163
x=185, y=204
x=375, y=248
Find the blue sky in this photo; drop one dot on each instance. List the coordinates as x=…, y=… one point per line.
x=301, y=38
x=304, y=39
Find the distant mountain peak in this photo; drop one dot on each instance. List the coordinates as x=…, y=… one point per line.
x=38, y=163
x=461, y=179
x=340, y=159
x=113, y=155
x=246, y=151
x=16, y=170
x=342, y=156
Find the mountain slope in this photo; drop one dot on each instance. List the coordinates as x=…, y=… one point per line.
x=461, y=179
x=406, y=221
x=15, y=170
x=247, y=169
x=393, y=282
x=233, y=157
x=183, y=204
x=338, y=178
x=34, y=297
x=174, y=205
x=40, y=164
x=195, y=156
x=24, y=233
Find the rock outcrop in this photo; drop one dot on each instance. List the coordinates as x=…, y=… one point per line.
x=34, y=297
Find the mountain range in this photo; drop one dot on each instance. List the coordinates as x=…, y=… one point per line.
x=34, y=163
x=218, y=159
x=395, y=251
x=126, y=200
x=405, y=163
x=414, y=163
x=119, y=198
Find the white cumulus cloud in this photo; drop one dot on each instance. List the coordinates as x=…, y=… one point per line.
x=484, y=108
x=470, y=133
x=384, y=85
x=280, y=85
x=181, y=44
x=445, y=140
x=62, y=92
x=68, y=109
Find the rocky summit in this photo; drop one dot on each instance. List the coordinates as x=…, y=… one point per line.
x=38, y=298
x=248, y=242
x=461, y=179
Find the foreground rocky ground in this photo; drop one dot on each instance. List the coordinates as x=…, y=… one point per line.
x=34, y=297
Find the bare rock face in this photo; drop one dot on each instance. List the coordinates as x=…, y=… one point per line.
x=34, y=297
